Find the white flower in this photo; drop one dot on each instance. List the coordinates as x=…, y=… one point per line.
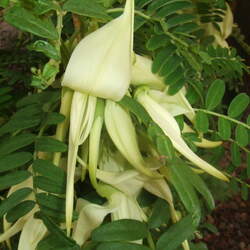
x=122, y=132
x=101, y=63
x=142, y=74
x=170, y=127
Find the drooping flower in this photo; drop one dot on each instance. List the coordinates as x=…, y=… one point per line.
x=101, y=63
x=170, y=127
x=122, y=132
x=81, y=120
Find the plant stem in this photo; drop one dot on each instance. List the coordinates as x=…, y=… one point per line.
x=237, y=179
x=150, y=241
x=223, y=116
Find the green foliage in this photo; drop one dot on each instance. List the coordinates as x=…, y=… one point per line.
x=118, y=231
x=173, y=34
x=238, y=105
x=25, y=20
x=86, y=8
x=160, y=214
x=215, y=94
x=177, y=234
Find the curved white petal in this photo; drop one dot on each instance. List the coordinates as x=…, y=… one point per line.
x=122, y=132
x=204, y=142
x=142, y=74
x=101, y=63
x=90, y=216
x=33, y=231
x=175, y=105
x=81, y=120
x=170, y=127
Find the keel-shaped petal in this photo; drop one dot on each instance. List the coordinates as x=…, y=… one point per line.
x=122, y=132
x=101, y=63
x=170, y=127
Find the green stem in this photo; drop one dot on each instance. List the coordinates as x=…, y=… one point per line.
x=178, y=40
x=139, y=13
x=237, y=179
x=150, y=241
x=223, y=116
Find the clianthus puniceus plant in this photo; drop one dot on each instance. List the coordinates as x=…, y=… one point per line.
x=122, y=165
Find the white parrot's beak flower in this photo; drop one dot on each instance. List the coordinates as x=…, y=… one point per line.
x=101, y=63
x=170, y=127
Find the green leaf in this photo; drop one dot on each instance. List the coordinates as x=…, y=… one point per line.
x=32, y=110
x=180, y=19
x=47, y=97
x=54, y=118
x=11, y=144
x=120, y=230
x=51, y=242
x=238, y=105
x=44, y=6
x=184, y=189
x=20, y=210
x=4, y=3
x=48, y=144
x=14, y=178
x=176, y=234
x=26, y=21
x=201, y=122
x=136, y=108
x=215, y=94
x=86, y=8
x=170, y=64
x=174, y=77
x=157, y=41
x=13, y=200
x=20, y=123
x=196, y=181
x=160, y=214
x=121, y=245
x=224, y=128
x=51, y=201
x=50, y=171
x=241, y=135
x=49, y=185
x=165, y=147
x=210, y=227
x=91, y=246
x=174, y=88
x=235, y=154
x=162, y=57
x=172, y=7
x=58, y=235
x=46, y=48
x=15, y=160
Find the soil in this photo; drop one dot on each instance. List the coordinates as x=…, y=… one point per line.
x=232, y=219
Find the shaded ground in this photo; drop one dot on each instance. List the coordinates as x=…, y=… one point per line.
x=232, y=219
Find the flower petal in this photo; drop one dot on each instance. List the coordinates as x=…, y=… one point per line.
x=33, y=231
x=170, y=127
x=101, y=63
